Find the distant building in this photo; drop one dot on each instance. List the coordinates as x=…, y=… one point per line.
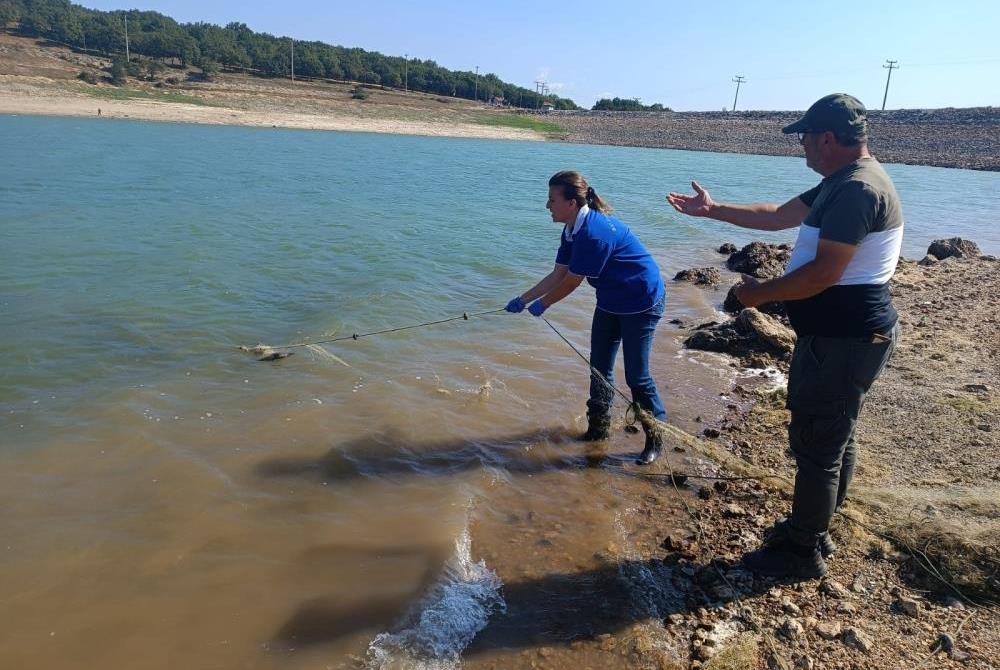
x=547, y=106
x=498, y=101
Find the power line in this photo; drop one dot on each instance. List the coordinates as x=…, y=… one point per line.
x=738, y=79
x=890, y=66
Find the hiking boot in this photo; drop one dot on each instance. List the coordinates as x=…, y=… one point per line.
x=785, y=559
x=598, y=428
x=827, y=547
x=652, y=450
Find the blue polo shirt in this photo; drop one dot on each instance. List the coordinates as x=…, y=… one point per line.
x=614, y=261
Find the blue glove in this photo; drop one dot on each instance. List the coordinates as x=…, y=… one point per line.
x=516, y=305
x=537, y=308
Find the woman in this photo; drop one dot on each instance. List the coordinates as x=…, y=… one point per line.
x=630, y=296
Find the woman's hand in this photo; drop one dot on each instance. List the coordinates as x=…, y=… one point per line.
x=516, y=305
x=537, y=308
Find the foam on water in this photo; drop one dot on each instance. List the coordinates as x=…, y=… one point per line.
x=455, y=609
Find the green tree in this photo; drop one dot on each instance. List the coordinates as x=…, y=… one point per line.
x=209, y=68
x=118, y=70
x=7, y=15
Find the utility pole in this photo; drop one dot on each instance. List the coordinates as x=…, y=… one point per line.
x=292, y=41
x=890, y=66
x=476, y=94
x=127, y=57
x=406, y=73
x=738, y=79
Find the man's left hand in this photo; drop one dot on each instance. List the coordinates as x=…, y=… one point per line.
x=536, y=308
x=747, y=291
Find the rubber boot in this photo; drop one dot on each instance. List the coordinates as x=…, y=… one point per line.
x=653, y=448
x=827, y=547
x=782, y=558
x=598, y=428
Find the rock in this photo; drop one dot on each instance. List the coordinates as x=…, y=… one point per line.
x=804, y=663
x=727, y=248
x=711, y=433
x=828, y=630
x=776, y=661
x=791, y=629
x=704, y=652
x=705, y=493
x=846, y=608
x=733, y=510
x=764, y=261
x=672, y=543
x=928, y=260
x=768, y=330
x=907, y=606
x=834, y=589
x=858, y=639
x=944, y=643
x=790, y=607
x=700, y=276
x=954, y=247
x=721, y=486
x=976, y=388
x=951, y=602
x=959, y=655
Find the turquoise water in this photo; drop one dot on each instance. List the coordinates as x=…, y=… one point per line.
x=131, y=247
x=148, y=466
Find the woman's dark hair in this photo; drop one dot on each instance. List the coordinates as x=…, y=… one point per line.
x=574, y=187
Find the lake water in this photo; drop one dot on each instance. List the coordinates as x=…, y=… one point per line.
x=167, y=501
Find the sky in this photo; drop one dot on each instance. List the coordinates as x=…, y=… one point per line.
x=684, y=56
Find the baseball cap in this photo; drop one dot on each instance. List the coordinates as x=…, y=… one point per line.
x=840, y=113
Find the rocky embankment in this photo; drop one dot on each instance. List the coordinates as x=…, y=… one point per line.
x=959, y=138
x=914, y=582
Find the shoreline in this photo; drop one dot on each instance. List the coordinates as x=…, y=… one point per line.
x=911, y=583
x=173, y=112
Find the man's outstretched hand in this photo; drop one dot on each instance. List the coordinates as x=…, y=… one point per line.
x=699, y=204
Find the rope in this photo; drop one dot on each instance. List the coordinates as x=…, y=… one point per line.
x=357, y=336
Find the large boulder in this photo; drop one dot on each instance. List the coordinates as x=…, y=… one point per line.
x=700, y=276
x=749, y=334
x=727, y=248
x=764, y=261
x=767, y=330
x=955, y=246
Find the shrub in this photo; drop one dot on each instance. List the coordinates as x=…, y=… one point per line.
x=359, y=93
x=118, y=71
x=88, y=76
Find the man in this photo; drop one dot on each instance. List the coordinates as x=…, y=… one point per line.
x=836, y=292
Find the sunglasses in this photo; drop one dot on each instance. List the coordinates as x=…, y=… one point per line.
x=802, y=135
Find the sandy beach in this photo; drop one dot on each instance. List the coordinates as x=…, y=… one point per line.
x=20, y=97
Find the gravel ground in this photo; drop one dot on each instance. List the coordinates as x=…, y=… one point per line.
x=960, y=138
x=929, y=460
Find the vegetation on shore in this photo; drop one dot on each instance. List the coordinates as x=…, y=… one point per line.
x=521, y=122
x=236, y=47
